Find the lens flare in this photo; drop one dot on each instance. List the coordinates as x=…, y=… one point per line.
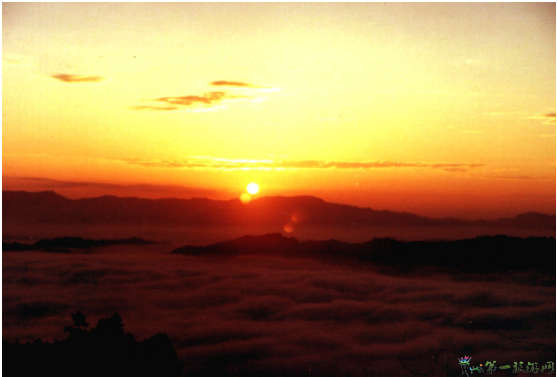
x=288, y=227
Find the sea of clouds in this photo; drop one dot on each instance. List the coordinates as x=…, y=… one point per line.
x=274, y=316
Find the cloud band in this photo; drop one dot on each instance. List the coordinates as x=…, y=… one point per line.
x=244, y=164
x=72, y=79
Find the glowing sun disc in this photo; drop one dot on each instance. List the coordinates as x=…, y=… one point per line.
x=253, y=188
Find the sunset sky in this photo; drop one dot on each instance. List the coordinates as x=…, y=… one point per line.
x=436, y=109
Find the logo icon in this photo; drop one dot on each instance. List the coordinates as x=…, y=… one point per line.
x=465, y=360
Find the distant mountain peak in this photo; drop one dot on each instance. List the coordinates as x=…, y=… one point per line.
x=276, y=211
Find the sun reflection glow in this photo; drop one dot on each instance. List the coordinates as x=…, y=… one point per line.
x=288, y=227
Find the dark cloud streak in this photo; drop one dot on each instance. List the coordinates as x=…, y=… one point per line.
x=206, y=100
x=72, y=79
x=233, y=83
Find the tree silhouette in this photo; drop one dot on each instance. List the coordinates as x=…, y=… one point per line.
x=79, y=320
x=106, y=350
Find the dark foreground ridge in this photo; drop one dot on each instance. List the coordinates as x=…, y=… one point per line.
x=62, y=244
x=20, y=207
x=106, y=350
x=480, y=254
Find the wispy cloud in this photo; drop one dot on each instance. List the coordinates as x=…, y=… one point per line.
x=204, y=101
x=233, y=84
x=72, y=189
x=207, y=101
x=154, y=108
x=510, y=173
x=246, y=164
x=16, y=59
x=547, y=118
x=520, y=177
x=505, y=113
x=238, y=85
x=72, y=79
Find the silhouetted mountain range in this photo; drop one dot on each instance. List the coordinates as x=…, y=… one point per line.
x=63, y=243
x=22, y=207
x=480, y=254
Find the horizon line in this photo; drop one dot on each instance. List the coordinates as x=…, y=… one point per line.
x=278, y=196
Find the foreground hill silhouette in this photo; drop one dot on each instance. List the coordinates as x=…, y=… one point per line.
x=106, y=350
x=478, y=255
x=21, y=207
x=62, y=244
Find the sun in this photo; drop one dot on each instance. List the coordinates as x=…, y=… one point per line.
x=253, y=188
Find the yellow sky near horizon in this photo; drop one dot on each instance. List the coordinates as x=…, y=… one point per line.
x=437, y=109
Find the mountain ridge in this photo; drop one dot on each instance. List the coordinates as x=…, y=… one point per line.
x=480, y=254
x=48, y=206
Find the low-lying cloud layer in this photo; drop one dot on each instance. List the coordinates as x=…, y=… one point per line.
x=272, y=316
x=72, y=79
x=245, y=164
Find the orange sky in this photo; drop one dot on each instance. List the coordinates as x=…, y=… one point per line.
x=436, y=109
